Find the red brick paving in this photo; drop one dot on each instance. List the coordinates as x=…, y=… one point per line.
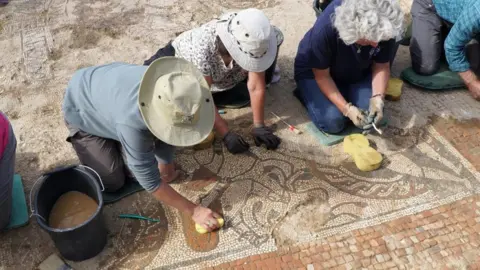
x=463, y=135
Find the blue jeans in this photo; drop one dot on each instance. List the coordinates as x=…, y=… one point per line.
x=323, y=113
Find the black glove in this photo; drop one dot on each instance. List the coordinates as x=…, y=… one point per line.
x=264, y=135
x=235, y=143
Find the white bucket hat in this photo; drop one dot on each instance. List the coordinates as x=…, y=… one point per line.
x=250, y=39
x=175, y=102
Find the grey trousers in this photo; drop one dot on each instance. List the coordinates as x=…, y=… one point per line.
x=102, y=155
x=428, y=35
x=7, y=169
x=107, y=157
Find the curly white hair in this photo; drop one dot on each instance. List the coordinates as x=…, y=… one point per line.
x=373, y=20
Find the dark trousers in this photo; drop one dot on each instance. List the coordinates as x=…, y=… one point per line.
x=428, y=36
x=104, y=156
x=107, y=157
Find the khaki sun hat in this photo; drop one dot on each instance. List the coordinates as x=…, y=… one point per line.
x=250, y=39
x=175, y=102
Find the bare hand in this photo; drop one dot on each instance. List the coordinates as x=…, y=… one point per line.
x=474, y=88
x=205, y=217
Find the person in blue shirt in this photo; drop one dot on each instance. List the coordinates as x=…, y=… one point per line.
x=446, y=25
x=342, y=65
x=129, y=118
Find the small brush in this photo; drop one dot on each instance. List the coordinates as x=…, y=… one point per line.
x=290, y=127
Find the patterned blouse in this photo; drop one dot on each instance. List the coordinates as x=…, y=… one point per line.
x=199, y=46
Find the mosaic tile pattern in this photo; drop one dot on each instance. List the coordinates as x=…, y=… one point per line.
x=257, y=190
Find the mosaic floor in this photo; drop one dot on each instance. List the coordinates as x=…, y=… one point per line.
x=430, y=148
x=256, y=191
x=446, y=237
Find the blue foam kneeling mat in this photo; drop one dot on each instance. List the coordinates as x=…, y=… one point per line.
x=19, y=215
x=328, y=139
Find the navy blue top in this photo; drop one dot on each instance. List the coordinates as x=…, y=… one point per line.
x=321, y=48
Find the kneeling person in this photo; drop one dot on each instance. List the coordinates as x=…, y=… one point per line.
x=342, y=65
x=443, y=25
x=8, y=145
x=143, y=112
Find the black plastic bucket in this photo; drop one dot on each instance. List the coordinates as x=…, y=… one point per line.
x=86, y=240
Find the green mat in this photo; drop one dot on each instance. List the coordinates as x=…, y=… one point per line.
x=130, y=187
x=328, y=139
x=19, y=216
x=443, y=79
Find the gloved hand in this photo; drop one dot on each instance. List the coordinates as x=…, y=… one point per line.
x=235, y=143
x=375, y=109
x=264, y=135
x=358, y=117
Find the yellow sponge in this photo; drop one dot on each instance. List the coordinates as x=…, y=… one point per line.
x=200, y=229
x=353, y=141
x=366, y=158
x=394, y=89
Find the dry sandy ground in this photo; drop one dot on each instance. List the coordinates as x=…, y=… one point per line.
x=45, y=41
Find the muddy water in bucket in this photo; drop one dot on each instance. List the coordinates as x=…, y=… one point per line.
x=68, y=205
x=72, y=209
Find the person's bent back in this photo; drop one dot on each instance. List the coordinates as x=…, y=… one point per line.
x=142, y=113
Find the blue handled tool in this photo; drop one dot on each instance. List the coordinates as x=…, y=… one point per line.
x=138, y=217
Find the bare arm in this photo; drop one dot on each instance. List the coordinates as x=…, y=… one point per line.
x=468, y=77
x=220, y=124
x=329, y=88
x=256, y=87
x=380, y=77
x=166, y=194
x=472, y=82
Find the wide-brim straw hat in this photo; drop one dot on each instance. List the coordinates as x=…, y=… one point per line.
x=175, y=102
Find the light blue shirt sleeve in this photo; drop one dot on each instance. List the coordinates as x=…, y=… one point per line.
x=464, y=30
x=139, y=147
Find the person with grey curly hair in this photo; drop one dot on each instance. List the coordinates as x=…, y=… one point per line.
x=343, y=62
